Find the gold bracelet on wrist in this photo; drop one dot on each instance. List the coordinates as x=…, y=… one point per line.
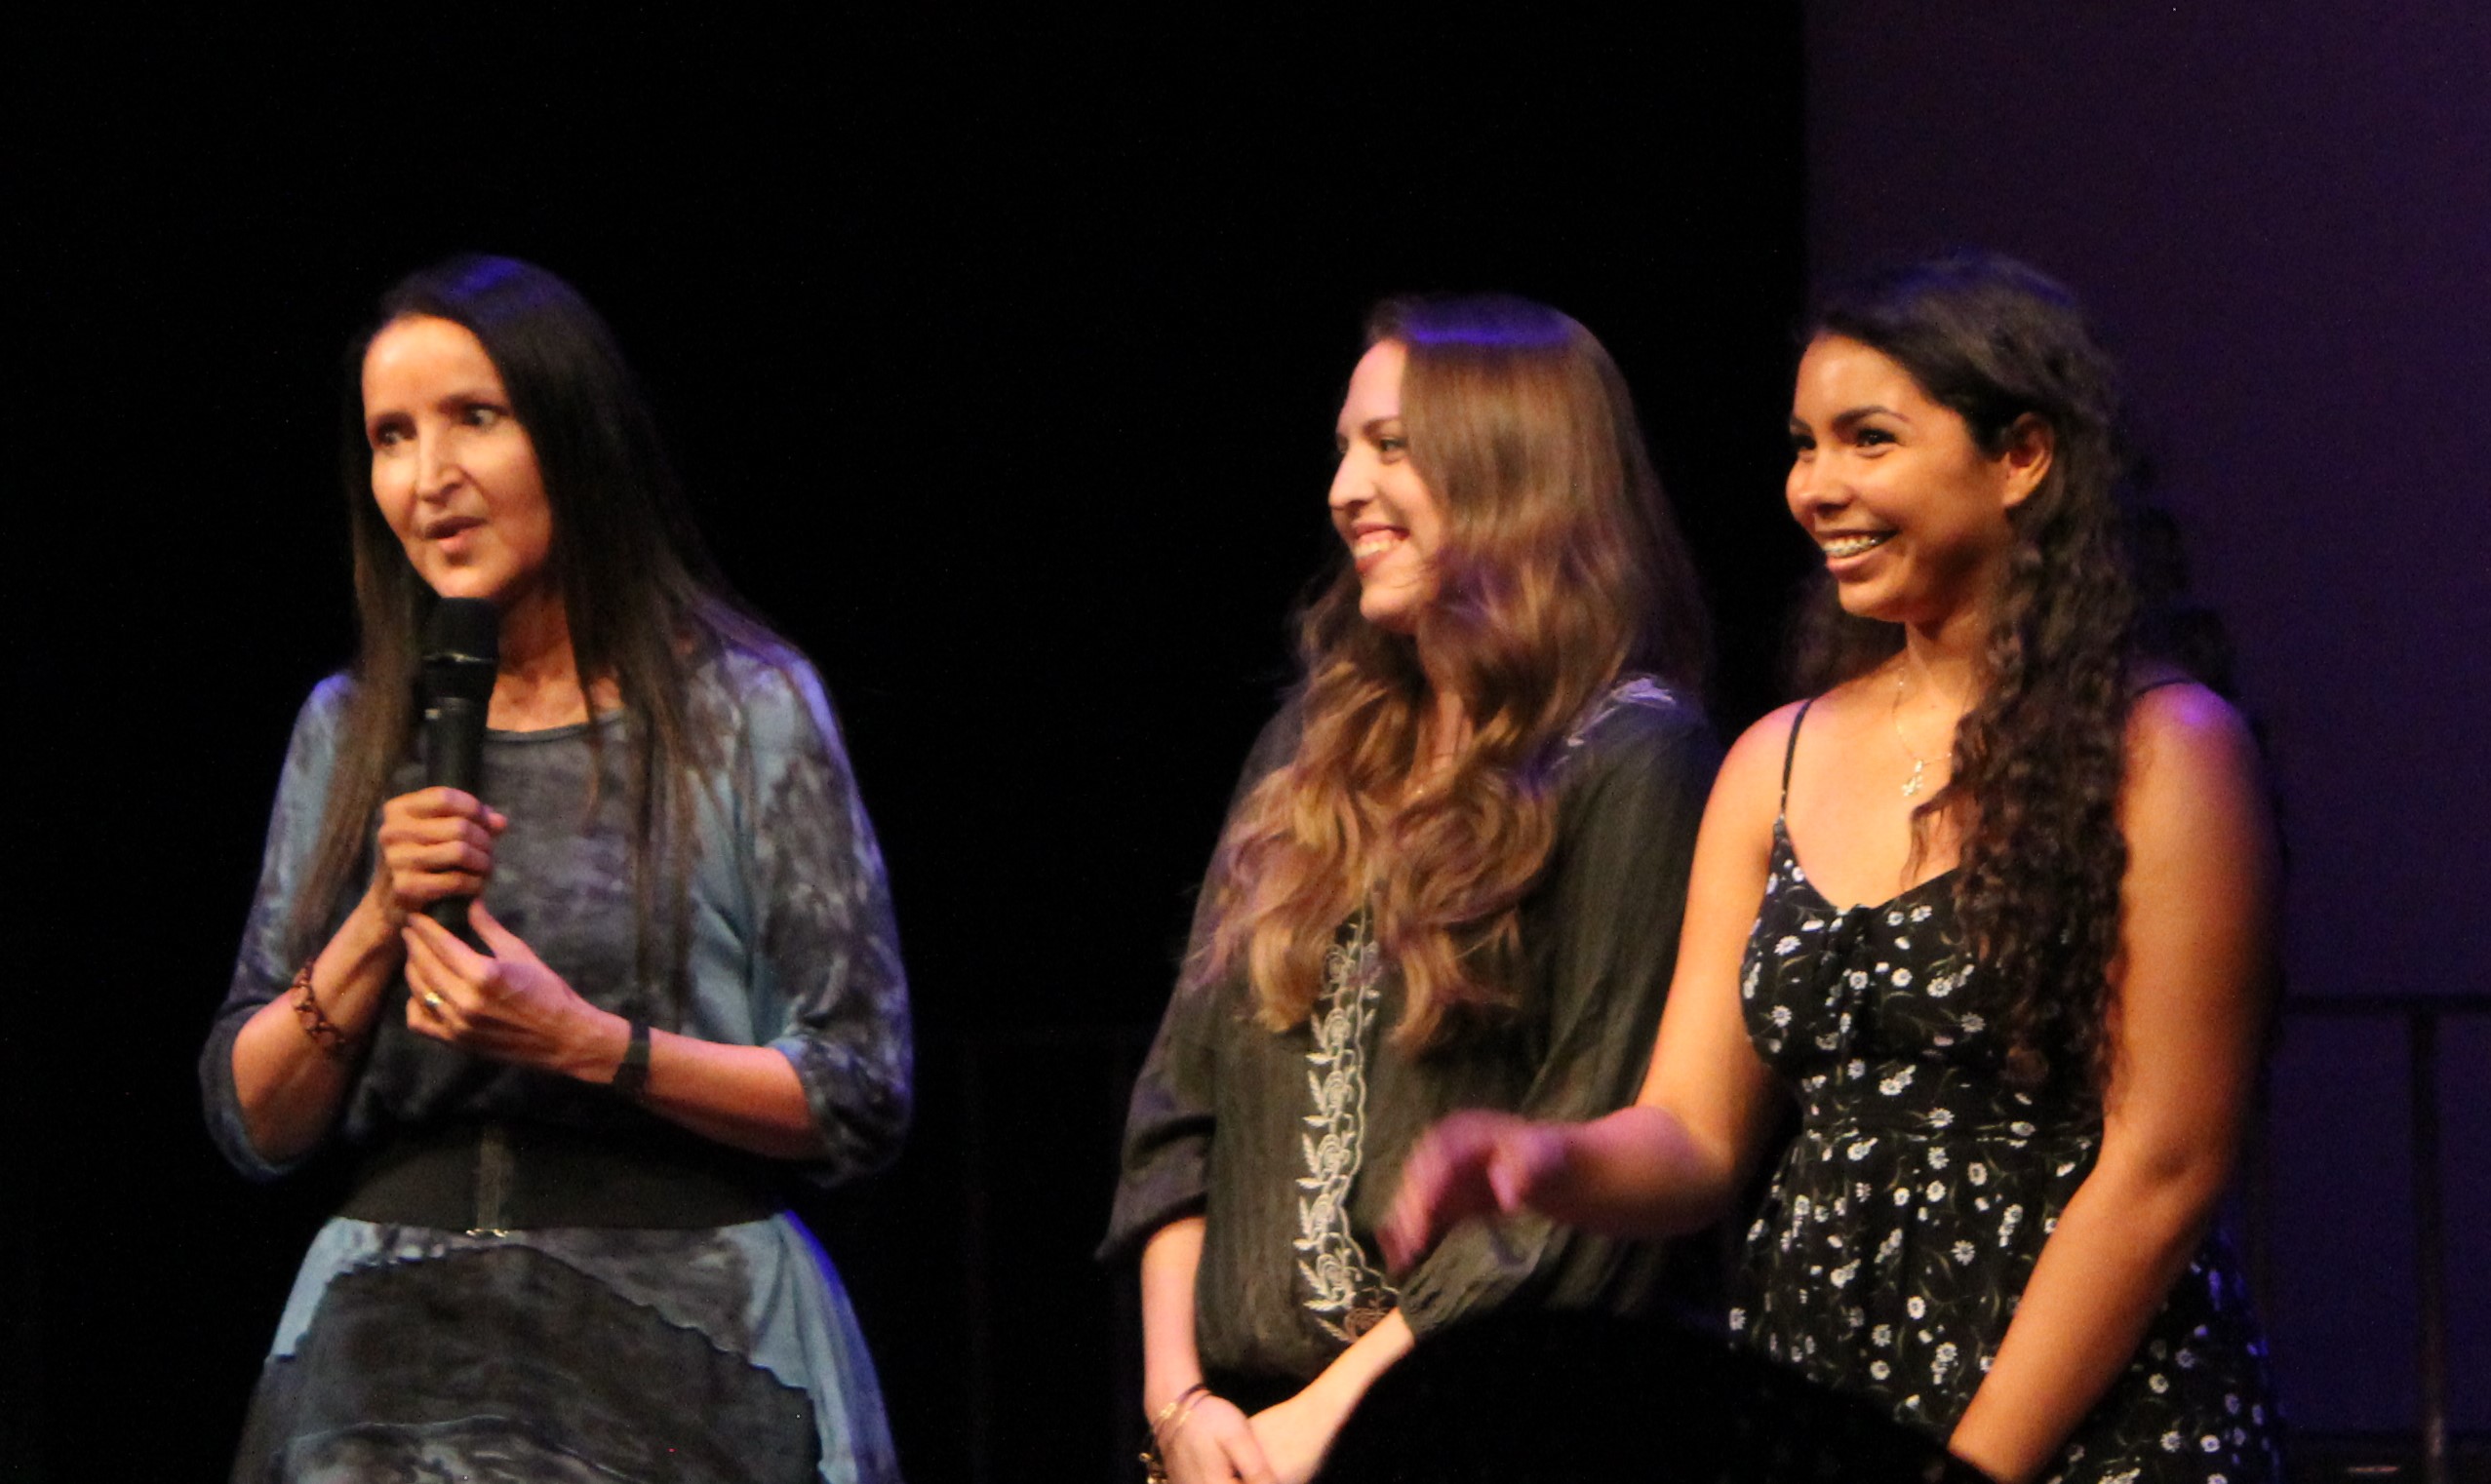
x=333, y=1042
x=1158, y=1419
x=1163, y=1430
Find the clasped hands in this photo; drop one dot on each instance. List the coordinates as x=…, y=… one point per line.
x=1219, y=1444
x=505, y=1003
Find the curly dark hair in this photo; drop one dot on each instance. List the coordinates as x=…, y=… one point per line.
x=2039, y=760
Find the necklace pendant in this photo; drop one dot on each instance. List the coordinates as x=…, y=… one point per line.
x=1912, y=785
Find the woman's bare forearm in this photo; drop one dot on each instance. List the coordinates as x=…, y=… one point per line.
x=1170, y=1362
x=1637, y=1172
x=2107, y=1268
x=290, y=1084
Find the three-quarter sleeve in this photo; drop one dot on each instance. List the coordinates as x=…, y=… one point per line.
x=1167, y=1128
x=1165, y=1169
x=262, y=968
x=826, y=950
x=1607, y=931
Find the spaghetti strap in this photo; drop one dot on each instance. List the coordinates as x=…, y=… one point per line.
x=1791, y=752
x=2169, y=679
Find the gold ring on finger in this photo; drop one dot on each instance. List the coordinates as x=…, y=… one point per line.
x=432, y=1001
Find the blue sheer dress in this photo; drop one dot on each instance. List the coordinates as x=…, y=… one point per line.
x=565, y=1351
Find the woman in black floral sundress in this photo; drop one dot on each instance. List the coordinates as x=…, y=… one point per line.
x=1996, y=905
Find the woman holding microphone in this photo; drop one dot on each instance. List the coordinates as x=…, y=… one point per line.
x=567, y=1254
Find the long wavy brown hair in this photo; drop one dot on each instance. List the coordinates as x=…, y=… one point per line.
x=1560, y=571
x=2039, y=760
x=641, y=600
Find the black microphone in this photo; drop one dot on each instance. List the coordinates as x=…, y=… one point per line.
x=462, y=651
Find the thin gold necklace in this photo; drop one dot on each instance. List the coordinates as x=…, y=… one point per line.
x=1894, y=714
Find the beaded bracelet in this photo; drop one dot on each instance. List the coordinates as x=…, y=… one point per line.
x=316, y=1024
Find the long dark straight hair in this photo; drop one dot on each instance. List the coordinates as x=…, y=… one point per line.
x=633, y=575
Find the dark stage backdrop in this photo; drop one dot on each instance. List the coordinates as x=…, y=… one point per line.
x=2281, y=213
x=1003, y=361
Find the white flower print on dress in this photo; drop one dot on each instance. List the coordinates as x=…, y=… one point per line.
x=1821, y=1013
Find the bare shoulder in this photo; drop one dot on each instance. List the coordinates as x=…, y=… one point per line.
x=2193, y=767
x=1750, y=783
x=1764, y=743
x=2181, y=730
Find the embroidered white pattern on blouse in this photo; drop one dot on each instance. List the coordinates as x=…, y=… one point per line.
x=1345, y=1291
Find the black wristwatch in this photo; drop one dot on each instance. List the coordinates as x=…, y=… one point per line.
x=631, y=1077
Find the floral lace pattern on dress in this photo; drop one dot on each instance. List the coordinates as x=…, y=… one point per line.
x=1344, y=1290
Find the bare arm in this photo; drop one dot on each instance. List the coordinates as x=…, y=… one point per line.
x=1297, y=1434
x=1672, y=1162
x=433, y=843
x=289, y=1086
x=1212, y=1442
x=2194, y=969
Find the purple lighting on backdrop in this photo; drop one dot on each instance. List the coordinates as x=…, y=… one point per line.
x=2277, y=216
